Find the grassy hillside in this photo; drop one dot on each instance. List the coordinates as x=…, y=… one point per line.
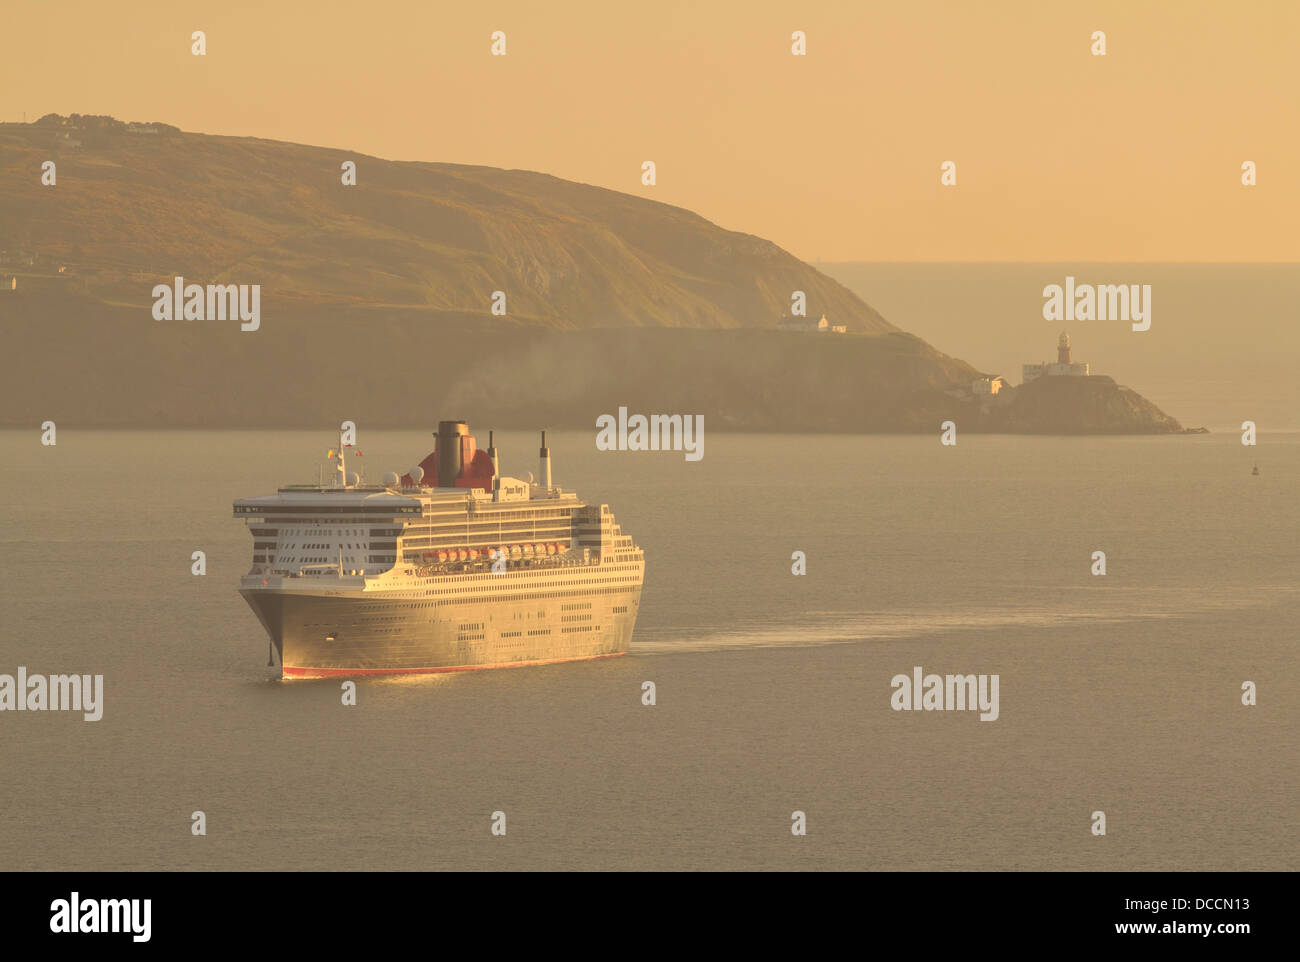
x=132, y=207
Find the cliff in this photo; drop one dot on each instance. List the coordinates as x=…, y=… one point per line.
x=1079, y=405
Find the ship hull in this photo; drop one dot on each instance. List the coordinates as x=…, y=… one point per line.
x=374, y=633
x=292, y=672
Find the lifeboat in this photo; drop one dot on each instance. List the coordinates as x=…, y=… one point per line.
x=516, y=551
x=550, y=549
x=527, y=550
x=473, y=554
x=442, y=556
x=462, y=554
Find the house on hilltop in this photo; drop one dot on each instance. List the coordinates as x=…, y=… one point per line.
x=821, y=326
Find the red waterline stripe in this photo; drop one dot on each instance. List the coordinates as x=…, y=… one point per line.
x=289, y=671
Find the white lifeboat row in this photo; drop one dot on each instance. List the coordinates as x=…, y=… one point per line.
x=513, y=551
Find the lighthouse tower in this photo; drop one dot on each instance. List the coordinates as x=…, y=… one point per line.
x=1064, y=366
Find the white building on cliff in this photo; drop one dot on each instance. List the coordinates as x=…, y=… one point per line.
x=1063, y=367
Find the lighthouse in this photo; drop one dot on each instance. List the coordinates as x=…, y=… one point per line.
x=1065, y=366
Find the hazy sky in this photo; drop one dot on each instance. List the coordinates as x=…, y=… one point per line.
x=836, y=155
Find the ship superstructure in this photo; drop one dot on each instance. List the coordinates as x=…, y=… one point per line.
x=448, y=567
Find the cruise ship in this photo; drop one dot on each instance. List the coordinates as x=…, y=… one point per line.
x=449, y=567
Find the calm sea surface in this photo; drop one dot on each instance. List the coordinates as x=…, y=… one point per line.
x=1118, y=693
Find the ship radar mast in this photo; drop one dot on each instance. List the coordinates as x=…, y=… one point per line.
x=544, y=464
x=496, y=466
